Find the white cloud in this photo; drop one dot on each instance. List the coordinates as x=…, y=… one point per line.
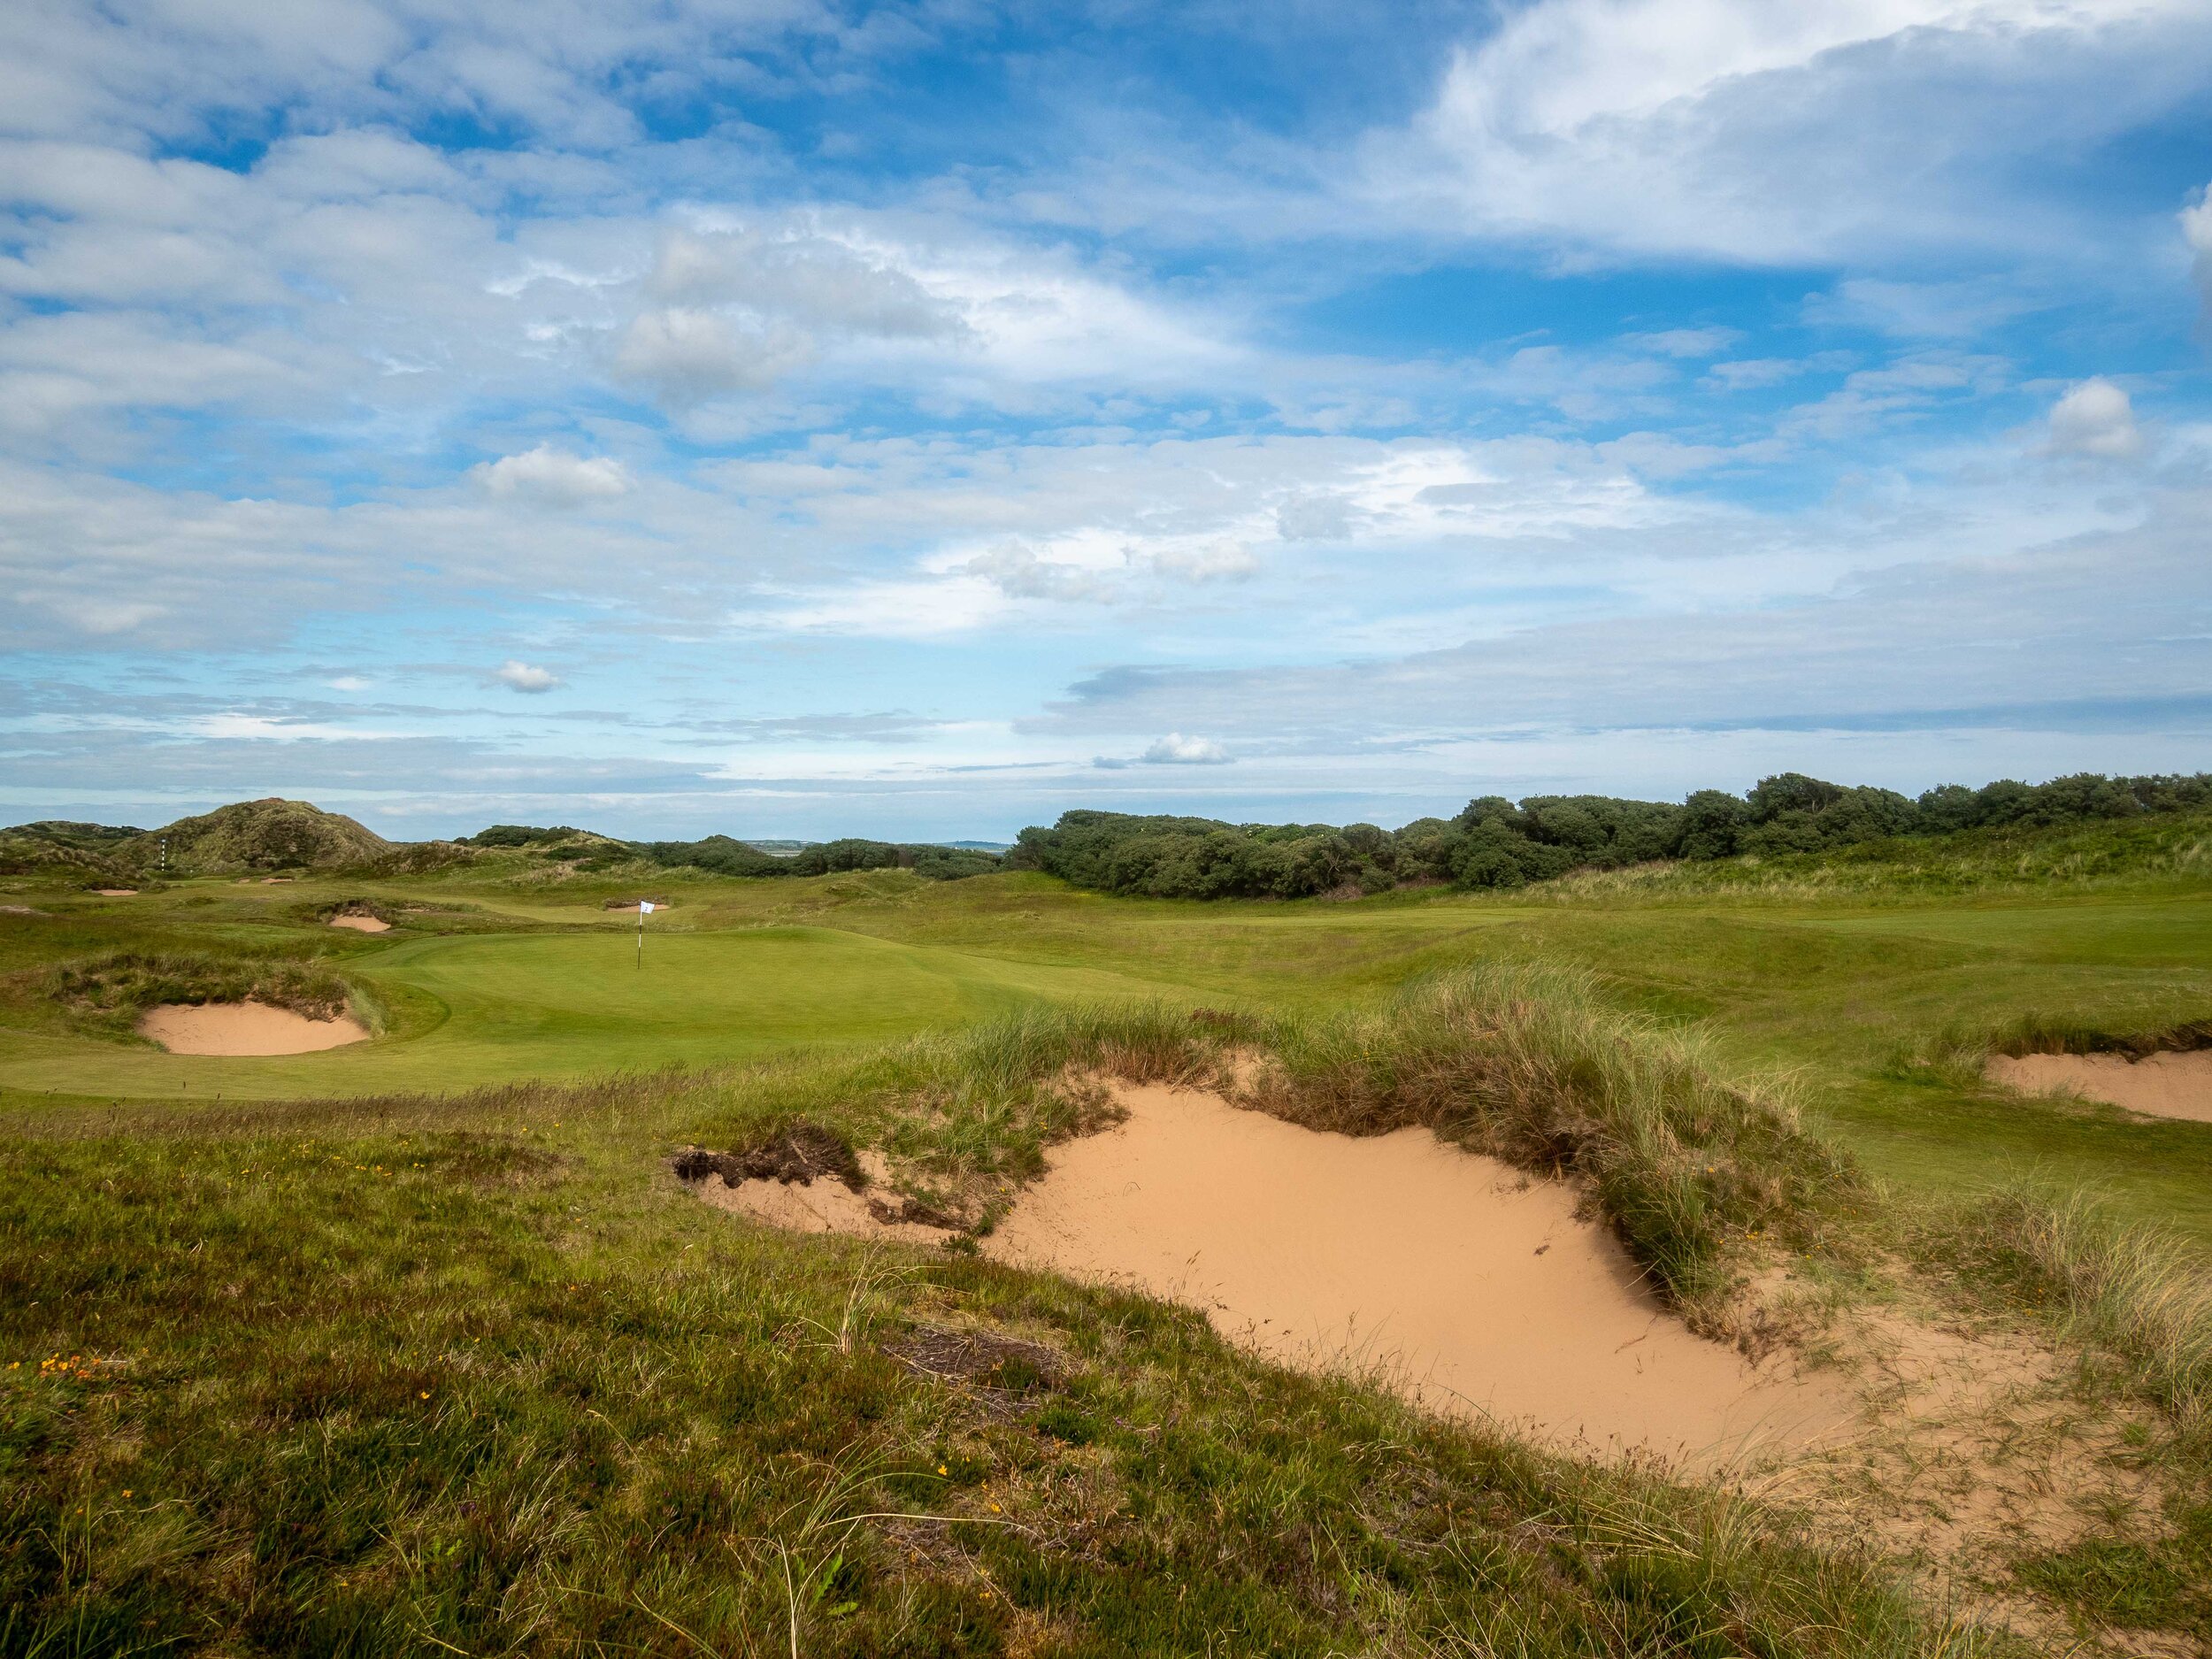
x=1685, y=342
x=2196, y=230
x=520, y=676
x=1174, y=749
x=1775, y=130
x=2095, y=419
x=556, y=477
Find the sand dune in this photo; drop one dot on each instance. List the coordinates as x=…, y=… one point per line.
x=244, y=1028
x=2174, y=1085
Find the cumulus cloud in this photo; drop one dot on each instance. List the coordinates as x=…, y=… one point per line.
x=1773, y=130
x=2196, y=230
x=520, y=676
x=686, y=355
x=1018, y=573
x=555, y=477
x=1174, y=749
x=2096, y=420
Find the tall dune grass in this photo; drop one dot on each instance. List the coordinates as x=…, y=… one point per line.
x=1530, y=1064
x=2141, y=1292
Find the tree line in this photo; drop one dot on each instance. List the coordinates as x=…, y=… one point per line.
x=722, y=855
x=1494, y=842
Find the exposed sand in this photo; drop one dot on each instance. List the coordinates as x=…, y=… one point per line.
x=117, y=893
x=244, y=1028
x=826, y=1205
x=1471, y=1287
x=2172, y=1085
x=362, y=923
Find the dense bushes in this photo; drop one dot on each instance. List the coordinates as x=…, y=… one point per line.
x=1496, y=843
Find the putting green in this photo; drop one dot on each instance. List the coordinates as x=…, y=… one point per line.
x=489, y=1008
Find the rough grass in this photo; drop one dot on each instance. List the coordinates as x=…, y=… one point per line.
x=2138, y=1293
x=497, y=1387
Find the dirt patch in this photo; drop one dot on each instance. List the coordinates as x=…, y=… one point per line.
x=244, y=1028
x=2168, y=1084
x=1003, y=1362
x=362, y=923
x=1455, y=1278
x=803, y=1152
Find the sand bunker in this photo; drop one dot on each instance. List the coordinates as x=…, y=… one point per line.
x=1453, y=1278
x=2171, y=1084
x=244, y=1028
x=362, y=923
x=117, y=893
x=1467, y=1285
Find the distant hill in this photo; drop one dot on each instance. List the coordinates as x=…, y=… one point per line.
x=259, y=836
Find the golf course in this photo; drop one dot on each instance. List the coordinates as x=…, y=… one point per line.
x=415, y=1343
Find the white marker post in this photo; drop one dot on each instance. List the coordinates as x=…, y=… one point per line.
x=644, y=909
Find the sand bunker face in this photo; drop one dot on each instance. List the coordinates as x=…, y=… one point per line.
x=362, y=923
x=1467, y=1285
x=117, y=893
x=244, y=1028
x=2158, y=1085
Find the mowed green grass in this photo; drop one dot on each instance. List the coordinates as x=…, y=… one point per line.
x=484, y=1008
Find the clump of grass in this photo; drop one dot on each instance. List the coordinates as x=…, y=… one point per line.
x=109, y=993
x=2140, y=1292
x=1529, y=1065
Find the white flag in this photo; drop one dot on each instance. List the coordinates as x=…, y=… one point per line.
x=645, y=906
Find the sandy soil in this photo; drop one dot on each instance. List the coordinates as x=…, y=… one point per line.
x=117, y=893
x=362, y=923
x=2158, y=1085
x=1454, y=1276
x=244, y=1028
x=819, y=1206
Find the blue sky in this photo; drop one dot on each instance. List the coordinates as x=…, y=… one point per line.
x=788, y=418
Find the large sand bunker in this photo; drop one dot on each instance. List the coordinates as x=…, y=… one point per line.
x=1454, y=1278
x=2171, y=1084
x=244, y=1028
x=362, y=923
x=1470, y=1287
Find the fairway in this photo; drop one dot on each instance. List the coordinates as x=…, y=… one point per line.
x=494, y=1008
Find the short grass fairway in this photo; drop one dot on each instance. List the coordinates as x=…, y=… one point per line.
x=422, y=1346
x=473, y=1010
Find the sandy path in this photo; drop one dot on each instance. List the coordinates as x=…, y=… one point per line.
x=362, y=923
x=1465, y=1285
x=244, y=1028
x=2158, y=1085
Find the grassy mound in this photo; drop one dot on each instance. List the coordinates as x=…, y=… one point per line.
x=257, y=835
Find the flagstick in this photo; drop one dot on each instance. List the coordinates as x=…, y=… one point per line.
x=641, y=938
